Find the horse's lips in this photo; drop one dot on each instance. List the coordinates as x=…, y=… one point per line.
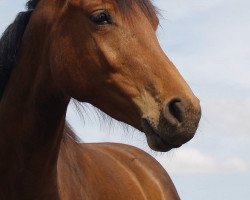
x=156, y=142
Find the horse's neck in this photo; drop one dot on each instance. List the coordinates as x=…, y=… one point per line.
x=32, y=116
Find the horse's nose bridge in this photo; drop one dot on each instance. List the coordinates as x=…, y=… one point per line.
x=169, y=80
x=165, y=79
x=173, y=86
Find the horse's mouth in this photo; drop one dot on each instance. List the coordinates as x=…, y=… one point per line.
x=155, y=140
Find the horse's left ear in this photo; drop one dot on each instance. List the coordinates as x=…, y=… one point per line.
x=31, y=4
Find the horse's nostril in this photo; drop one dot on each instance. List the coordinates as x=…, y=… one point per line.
x=175, y=111
x=176, y=108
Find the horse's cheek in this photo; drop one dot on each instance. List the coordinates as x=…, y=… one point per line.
x=67, y=70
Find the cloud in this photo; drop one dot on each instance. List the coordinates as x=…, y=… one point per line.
x=227, y=116
x=180, y=8
x=9, y=9
x=193, y=161
x=208, y=45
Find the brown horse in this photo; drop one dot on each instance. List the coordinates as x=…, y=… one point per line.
x=104, y=52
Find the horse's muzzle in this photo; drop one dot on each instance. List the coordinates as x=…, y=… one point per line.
x=177, y=125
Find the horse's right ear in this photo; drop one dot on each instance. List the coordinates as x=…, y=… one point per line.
x=31, y=4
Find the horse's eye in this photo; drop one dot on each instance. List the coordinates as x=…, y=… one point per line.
x=101, y=18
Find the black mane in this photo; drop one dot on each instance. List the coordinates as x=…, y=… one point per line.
x=10, y=43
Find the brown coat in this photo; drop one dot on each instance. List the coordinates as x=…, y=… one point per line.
x=111, y=172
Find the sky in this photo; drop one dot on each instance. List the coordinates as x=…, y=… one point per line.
x=208, y=40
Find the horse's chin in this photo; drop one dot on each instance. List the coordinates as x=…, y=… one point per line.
x=155, y=141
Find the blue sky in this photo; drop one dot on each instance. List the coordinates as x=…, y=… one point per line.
x=209, y=43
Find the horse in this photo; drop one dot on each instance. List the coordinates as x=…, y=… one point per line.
x=103, y=52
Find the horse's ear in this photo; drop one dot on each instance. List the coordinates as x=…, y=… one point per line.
x=31, y=4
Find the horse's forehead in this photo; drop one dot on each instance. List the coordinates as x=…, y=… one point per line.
x=121, y=4
x=93, y=3
x=144, y=8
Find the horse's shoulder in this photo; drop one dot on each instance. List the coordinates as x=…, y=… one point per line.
x=129, y=158
x=112, y=170
x=125, y=154
x=131, y=163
